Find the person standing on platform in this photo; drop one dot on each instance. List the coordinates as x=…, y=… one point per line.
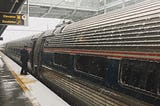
x=24, y=59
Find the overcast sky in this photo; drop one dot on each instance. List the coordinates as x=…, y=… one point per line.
x=36, y=25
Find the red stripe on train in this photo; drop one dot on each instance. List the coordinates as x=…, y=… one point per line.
x=107, y=53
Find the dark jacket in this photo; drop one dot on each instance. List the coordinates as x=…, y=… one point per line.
x=24, y=55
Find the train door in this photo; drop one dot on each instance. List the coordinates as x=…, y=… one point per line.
x=37, y=55
x=32, y=55
x=39, y=59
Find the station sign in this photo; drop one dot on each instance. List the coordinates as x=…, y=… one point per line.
x=13, y=19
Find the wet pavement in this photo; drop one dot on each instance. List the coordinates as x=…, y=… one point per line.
x=11, y=94
x=23, y=90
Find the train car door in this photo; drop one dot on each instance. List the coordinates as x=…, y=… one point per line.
x=39, y=58
x=32, y=55
x=37, y=54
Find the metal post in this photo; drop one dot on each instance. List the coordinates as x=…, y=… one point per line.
x=27, y=12
x=105, y=9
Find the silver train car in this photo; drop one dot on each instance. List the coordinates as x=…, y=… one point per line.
x=110, y=59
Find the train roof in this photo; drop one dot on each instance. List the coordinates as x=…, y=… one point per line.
x=113, y=17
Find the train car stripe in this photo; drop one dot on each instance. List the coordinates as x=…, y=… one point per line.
x=111, y=54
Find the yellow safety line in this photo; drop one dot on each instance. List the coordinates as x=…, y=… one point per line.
x=22, y=85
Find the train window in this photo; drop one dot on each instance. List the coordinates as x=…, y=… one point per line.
x=62, y=59
x=140, y=74
x=47, y=59
x=91, y=65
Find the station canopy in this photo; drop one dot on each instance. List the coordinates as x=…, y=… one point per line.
x=74, y=10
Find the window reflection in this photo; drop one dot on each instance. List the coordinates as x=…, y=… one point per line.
x=91, y=65
x=62, y=59
x=140, y=74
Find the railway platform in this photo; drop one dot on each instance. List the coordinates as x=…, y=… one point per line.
x=23, y=90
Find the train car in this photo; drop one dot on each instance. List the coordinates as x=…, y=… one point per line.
x=109, y=59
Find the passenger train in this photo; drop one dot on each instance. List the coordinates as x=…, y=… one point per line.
x=117, y=54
